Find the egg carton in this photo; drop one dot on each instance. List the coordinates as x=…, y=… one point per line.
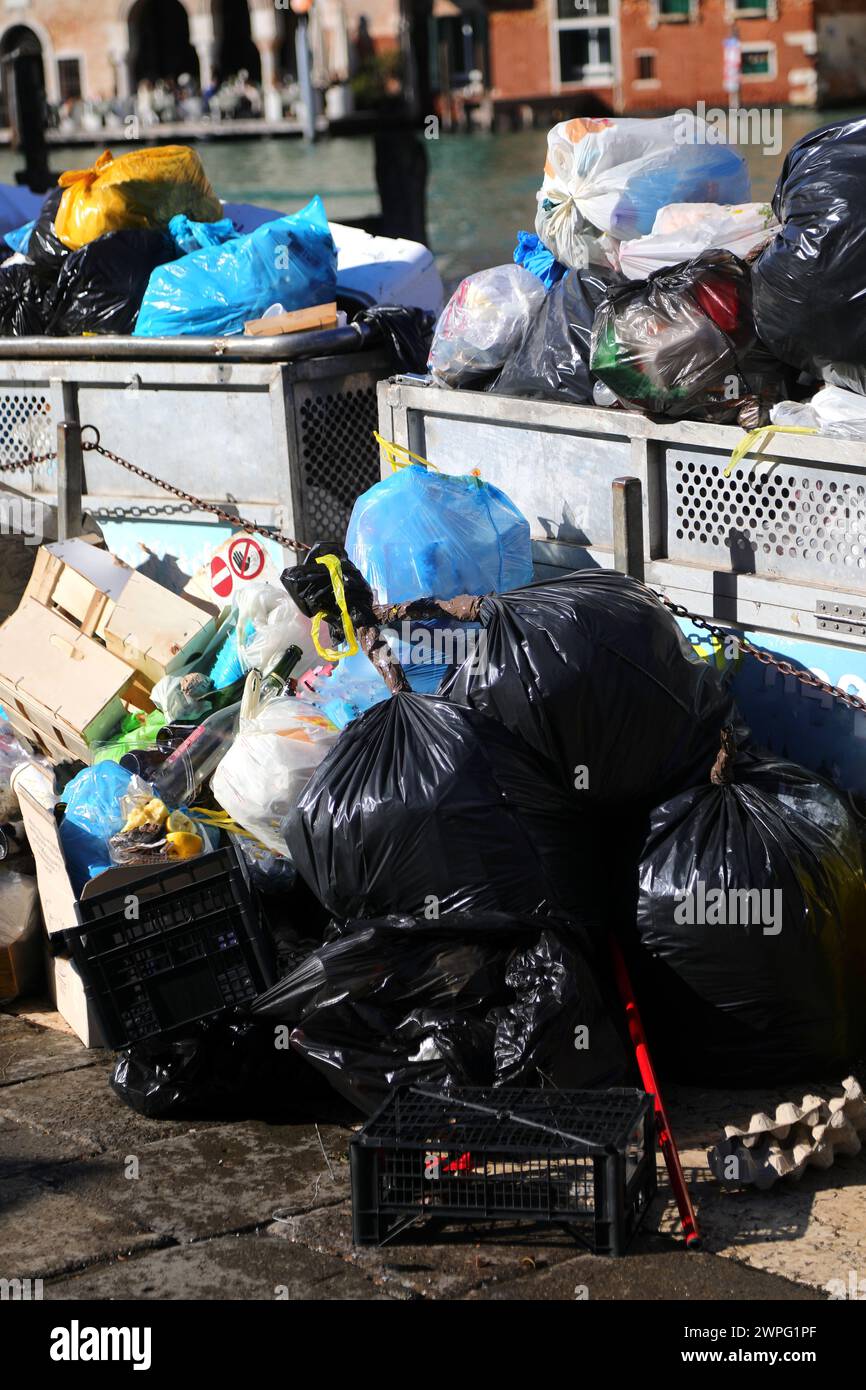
x=811, y=1134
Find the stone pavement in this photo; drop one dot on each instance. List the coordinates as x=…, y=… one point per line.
x=101, y=1203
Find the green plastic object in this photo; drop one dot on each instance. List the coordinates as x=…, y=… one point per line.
x=135, y=731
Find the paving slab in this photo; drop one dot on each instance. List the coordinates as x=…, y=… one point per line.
x=43, y=1232
x=80, y=1106
x=28, y=1050
x=658, y=1275
x=26, y=1149
x=231, y=1267
x=811, y=1231
x=38, y=1010
x=448, y=1267
x=210, y=1181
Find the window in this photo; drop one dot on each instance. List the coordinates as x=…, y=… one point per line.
x=757, y=60
x=674, y=9
x=583, y=41
x=69, y=76
x=753, y=7
x=646, y=66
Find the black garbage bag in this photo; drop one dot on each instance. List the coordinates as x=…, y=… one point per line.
x=594, y=673
x=22, y=308
x=683, y=344
x=221, y=1067
x=565, y=1024
x=403, y=999
x=752, y=922
x=423, y=806
x=808, y=282
x=551, y=362
x=311, y=586
x=407, y=333
x=45, y=249
x=99, y=289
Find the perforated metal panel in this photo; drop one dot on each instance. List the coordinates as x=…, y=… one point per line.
x=338, y=456
x=770, y=517
x=26, y=427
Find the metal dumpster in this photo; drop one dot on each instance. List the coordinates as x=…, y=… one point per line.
x=280, y=429
x=777, y=549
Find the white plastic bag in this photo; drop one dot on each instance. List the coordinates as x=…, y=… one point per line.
x=605, y=176
x=12, y=755
x=273, y=757
x=483, y=322
x=278, y=624
x=682, y=231
x=832, y=411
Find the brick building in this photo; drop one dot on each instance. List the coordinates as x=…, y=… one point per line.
x=645, y=55
x=621, y=55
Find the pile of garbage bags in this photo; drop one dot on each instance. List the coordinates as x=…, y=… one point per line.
x=139, y=244
x=442, y=868
x=475, y=850
x=664, y=289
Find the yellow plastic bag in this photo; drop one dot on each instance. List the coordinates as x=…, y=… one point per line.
x=142, y=189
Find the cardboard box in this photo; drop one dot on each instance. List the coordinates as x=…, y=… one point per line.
x=20, y=936
x=156, y=631
x=293, y=321
x=89, y=640
x=38, y=801
x=61, y=689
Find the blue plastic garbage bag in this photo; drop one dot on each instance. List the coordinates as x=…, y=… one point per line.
x=92, y=816
x=427, y=651
x=195, y=236
x=19, y=239
x=533, y=255
x=423, y=534
x=213, y=292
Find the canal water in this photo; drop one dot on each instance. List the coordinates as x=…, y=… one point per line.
x=481, y=191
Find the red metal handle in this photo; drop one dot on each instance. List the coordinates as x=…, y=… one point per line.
x=667, y=1143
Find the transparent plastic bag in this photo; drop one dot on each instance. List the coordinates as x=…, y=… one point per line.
x=153, y=833
x=268, y=623
x=482, y=322
x=276, y=751
x=613, y=176
x=12, y=755
x=683, y=343
x=682, y=231
x=833, y=412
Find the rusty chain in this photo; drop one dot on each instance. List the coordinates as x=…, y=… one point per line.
x=95, y=445
x=32, y=462
x=722, y=634
x=744, y=645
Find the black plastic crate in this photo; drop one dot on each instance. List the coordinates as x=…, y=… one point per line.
x=171, y=947
x=580, y=1159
